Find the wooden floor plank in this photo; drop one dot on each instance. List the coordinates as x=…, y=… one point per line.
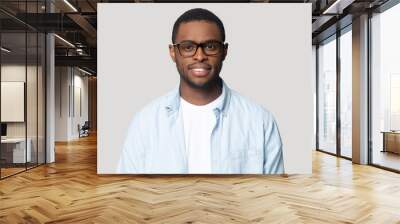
x=70, y=191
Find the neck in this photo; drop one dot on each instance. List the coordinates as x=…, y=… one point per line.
x=200, y=96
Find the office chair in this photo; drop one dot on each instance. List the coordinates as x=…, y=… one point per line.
x=84, y=130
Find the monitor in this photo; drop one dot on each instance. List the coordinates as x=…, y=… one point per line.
x=3, y=129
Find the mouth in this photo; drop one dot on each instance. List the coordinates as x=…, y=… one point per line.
x=200, y=71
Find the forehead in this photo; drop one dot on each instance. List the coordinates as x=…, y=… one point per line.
x=198, y=31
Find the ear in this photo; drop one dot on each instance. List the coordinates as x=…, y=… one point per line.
x=172, y=52
x=225, y=51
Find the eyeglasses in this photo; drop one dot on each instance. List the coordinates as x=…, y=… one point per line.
x=210, y=48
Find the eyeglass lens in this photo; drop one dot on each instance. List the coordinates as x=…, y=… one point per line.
x=189, y=48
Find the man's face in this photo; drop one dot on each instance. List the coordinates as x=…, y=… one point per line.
x=199, y=70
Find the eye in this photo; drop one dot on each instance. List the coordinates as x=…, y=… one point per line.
x=187, y=47
x=211, y=46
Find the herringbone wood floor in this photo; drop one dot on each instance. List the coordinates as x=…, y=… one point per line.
x=70, y=191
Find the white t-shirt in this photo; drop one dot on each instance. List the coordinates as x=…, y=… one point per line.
x=198, y=123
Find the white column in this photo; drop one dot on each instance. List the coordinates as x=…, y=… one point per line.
x=360, y=90
x=50, y=100
x=50, y=92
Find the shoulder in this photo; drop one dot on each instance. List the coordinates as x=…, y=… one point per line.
x=242, y=104
x=152, y=110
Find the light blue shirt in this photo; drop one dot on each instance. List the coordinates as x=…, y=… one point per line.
x=245, y=138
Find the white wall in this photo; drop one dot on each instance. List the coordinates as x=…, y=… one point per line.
x=12, y=73
x=69, y=82
x=62, y=81
x=80, y=84
x=16, y=73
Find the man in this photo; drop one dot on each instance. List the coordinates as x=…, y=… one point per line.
x=202, y=126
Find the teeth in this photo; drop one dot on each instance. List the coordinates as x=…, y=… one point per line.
x=199, y=69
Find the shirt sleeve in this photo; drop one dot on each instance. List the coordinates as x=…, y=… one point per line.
x=273, y=155
x=132, y=157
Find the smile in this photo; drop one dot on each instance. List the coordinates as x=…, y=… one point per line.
x=200, y=72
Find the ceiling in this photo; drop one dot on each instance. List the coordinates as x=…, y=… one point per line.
x=76, y=22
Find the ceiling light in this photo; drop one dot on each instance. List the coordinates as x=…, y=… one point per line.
x=338, y=6
x=331, y=7
x=70, y=5
x=5, y=50
x=84, y=71
x=65, y=41
x=79, y=51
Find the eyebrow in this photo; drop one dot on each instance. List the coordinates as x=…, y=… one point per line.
x=201, y=42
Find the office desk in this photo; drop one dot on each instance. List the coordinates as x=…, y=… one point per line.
x=15, y=148
x=391, y=141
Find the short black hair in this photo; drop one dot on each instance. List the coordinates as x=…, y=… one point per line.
x=198, y=14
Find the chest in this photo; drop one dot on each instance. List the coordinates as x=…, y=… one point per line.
x=236, y=144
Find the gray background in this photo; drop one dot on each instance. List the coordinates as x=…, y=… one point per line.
x=269, y=61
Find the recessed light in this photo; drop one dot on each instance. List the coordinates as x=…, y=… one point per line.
x=64, y=40
x=5, y=50
x=70, y=5
x=84, y=71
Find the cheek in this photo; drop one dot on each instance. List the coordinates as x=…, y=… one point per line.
x=216, y=63
x=180, y=63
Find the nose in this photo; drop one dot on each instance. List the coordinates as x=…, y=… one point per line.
x=200, y=56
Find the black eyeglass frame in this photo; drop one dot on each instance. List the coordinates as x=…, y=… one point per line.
x=224, y=46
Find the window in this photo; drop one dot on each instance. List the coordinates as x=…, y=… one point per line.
x=385, y=88
x=327, y=96
x=346, y=93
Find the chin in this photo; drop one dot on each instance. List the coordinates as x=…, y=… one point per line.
x=196, y=83
x=199, y=85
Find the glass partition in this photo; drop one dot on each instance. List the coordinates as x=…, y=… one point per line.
x=13, y=95
x=22, y=63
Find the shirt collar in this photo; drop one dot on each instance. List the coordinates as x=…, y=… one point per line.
x=173, y=100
